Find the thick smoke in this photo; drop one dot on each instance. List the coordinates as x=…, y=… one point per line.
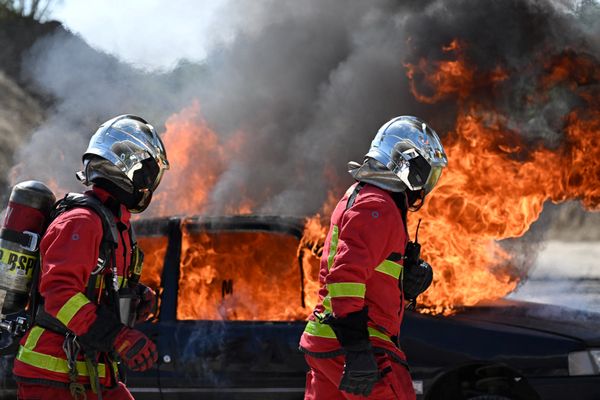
x=309, y=84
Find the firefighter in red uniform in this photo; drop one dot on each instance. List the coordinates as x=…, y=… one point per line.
x=350, y=341
x=84, y=328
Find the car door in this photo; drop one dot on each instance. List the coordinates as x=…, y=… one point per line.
x=232, y=311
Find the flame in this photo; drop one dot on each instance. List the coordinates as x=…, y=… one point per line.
x=448, y=77
x=496, y=183
x=494, y=188
x=310, y=251
x=199, y=158
x=237, y=275
x=154, y=248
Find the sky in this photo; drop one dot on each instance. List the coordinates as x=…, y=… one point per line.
x=154, y=34
x=147, y=33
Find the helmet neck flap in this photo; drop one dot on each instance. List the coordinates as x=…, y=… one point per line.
x=373, y=172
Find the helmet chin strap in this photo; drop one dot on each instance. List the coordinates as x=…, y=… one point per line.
x=130, y=200
x=415, y=199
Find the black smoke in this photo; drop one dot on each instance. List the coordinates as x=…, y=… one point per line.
x=310, y=83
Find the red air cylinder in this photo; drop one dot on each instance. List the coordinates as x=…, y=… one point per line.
x=25, y=220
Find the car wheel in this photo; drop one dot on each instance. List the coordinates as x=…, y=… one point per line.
x=481, y=382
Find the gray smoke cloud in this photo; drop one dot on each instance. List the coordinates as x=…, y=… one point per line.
x=309, y=84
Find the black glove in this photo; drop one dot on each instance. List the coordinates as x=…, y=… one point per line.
x=416, y=279
x=360, y=370
x=360, y=373
x=103, y=331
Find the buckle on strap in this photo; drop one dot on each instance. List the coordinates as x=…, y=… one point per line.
x=27, y=240
x=34, y=239
x=71, y=349
x=77, y=391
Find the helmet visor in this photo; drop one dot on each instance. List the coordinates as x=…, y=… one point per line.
x=148, y=176
x=415, y=171
x=434, y=177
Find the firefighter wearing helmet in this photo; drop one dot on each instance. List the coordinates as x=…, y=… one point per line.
x=89, y=279
x=370, y=271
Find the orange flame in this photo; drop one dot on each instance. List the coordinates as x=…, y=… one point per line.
x=198, y=159
x=492, y=189
x=234, y=275
x=311, y=250
x=154, y=248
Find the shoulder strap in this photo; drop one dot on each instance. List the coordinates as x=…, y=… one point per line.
x=110, y=237
x=75, y=200
x=396, y=257
x=354, y=195
x=110, y=232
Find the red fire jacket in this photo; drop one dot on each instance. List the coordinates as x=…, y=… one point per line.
x=356, y=272
x=69, y=251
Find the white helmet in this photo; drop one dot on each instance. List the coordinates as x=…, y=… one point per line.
x=127, y=155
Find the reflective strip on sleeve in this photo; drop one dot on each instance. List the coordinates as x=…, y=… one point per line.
x=54, y=364
x=332, y=246
x=390, y=268
x=315, y=328
x=346, y=289
x=70, y=308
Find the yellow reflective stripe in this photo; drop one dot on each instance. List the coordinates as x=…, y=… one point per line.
x=54, y=364
x=378, y=334
x=390, y=268
x=346, y=289
x=70, y=308
x=332, y=246
x=34, y=336
x=315, y=328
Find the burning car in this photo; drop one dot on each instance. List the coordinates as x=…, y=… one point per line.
x=235, y=291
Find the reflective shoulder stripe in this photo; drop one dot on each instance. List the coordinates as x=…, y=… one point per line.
x=70, y=308
x=390, y=268
x=315, y=328
x=346, y=289
x=54, y=364
x=333, y=246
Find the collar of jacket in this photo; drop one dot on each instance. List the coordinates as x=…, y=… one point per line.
x=107, y=200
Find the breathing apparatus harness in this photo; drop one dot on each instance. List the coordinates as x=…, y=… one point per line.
x=120, y=300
